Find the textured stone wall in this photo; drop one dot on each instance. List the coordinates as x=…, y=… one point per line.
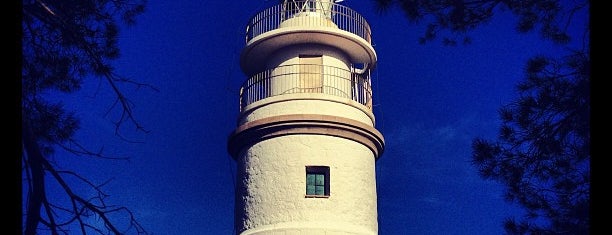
x=272, y=185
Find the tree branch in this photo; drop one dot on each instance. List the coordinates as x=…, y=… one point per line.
x=101, y=211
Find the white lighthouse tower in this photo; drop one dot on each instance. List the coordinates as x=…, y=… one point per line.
x=305, y=144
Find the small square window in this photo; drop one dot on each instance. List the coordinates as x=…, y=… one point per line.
x=317, y=181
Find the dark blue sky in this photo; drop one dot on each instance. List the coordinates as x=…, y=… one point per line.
x=430, y=101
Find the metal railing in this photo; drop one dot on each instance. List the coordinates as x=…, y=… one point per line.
x=307, y=78
x=341, y=16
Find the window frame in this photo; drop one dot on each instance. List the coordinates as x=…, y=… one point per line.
x=318, y=170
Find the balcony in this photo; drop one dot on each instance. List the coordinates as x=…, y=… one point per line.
x=326, y=14
x=308, y=78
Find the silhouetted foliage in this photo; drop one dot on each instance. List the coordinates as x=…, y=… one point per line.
x=542, y=154
x=65, y=42
x=455, y=18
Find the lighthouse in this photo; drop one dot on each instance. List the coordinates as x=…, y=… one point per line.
x=305, y=144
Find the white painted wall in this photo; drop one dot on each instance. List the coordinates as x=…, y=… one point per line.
x=305, y=103
x=272, y=186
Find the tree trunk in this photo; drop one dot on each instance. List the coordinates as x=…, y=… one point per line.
x=34, y=159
